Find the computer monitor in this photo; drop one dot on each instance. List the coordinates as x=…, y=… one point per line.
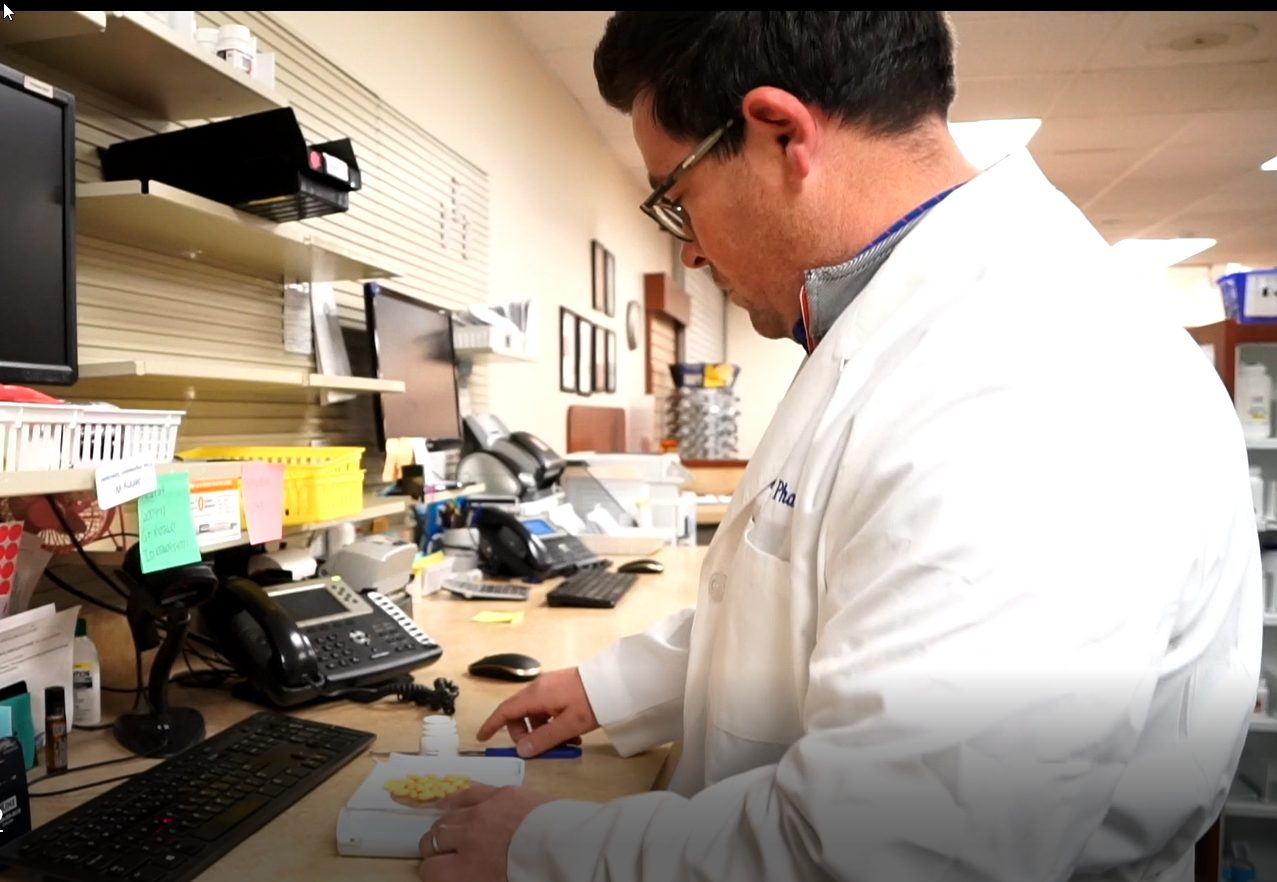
x=37, y=232
x=411, y=340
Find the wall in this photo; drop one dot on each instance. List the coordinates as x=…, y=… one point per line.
x=552, y=183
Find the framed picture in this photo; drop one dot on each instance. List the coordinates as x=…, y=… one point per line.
x=609, y=282
x=611, y=361
x=567, y=350
x=600, y=358
x=584, y=356
x=598, y=275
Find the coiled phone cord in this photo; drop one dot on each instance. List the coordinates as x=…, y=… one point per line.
x=442, y=698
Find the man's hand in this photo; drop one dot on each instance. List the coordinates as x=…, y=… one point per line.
x=550, y=711
x=471, y=841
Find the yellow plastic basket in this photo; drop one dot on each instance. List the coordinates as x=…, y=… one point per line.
x=320, y=483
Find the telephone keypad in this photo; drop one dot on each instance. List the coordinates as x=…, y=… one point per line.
x=347, y=653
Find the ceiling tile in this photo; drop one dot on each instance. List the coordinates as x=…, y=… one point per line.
x=1006, y=97
x=1038, y=42
x=1158, y=39
x=1185, y=88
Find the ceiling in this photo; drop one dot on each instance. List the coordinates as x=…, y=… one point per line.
x=1154, y=123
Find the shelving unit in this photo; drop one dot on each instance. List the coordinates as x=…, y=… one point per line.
x=32, y=26
x=75, y=480
x=170, y=221
x=1251, y=819
x=139, y=59
x=162, y=372
x=374, y=507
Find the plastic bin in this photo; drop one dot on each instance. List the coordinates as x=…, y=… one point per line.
x=1250, y=297
x=46, y=437
x=320, y=483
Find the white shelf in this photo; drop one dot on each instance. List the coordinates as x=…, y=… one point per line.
x=1240, y=808
x=73, y=480
x=31, y=26
x=143, y=61
x=166, y=220
x=1262, y=444
x=374, y=507
x=1270, y=620
x=163, y=371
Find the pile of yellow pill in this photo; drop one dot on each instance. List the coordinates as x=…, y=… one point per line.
x=425, y=788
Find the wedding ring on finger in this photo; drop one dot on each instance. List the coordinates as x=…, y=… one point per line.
x=434, y=840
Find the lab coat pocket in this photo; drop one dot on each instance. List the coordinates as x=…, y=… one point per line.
x=758, y=671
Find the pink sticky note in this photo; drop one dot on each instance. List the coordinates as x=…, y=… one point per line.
x=263, y=486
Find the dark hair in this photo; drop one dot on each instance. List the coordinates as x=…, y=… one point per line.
x=886, y=71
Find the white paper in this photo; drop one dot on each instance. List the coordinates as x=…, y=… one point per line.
x=32, y=559
x=372, y=824
x=35, y=646
x=330, y=349
x=297, y=336
x=121, y=482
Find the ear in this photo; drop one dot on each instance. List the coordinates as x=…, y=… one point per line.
x=783, y=124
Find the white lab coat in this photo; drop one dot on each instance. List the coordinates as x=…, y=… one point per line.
x=986, y=604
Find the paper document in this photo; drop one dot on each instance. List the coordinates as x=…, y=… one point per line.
x=376, y=823
x=35, y=646
x=297, y=336
x=32, y=559
x=330, y=348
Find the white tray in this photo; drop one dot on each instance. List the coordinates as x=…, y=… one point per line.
x=638, y=541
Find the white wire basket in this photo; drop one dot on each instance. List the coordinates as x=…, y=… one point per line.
x=48, y=437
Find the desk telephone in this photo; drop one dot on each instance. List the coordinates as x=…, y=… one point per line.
x=298, y=641
x=528, y=546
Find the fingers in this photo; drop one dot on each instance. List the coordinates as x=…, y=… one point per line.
x=463, y=799
x=523, y=703
x=557, y=731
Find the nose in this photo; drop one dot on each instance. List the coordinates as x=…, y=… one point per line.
x=692, y=255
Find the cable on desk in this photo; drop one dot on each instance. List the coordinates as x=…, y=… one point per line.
x=97, y=765
x=443, y=697
x=34, y=795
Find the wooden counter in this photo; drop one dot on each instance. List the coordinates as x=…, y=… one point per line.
x=300, y=843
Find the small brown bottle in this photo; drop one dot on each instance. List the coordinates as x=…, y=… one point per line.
x=55, y=730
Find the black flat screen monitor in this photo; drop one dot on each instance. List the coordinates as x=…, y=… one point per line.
x=411, y=340
x=37, y=232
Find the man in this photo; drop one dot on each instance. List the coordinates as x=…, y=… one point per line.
x=966, y=617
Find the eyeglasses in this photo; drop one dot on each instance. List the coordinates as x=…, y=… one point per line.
x=670, y=213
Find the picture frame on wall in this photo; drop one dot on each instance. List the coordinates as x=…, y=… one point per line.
x=584, y=356
x=567, y=350
x=611, y=361
x=600, y=358
x=598, y=275
x=609, y=283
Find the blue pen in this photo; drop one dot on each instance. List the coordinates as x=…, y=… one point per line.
x=568, y=752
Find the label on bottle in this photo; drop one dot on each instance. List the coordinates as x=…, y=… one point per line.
x=82, y=675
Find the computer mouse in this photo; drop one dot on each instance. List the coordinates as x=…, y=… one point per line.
x=642, y=565
x=507, y=666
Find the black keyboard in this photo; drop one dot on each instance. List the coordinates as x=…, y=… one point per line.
x=594, y=588
x=169, y=823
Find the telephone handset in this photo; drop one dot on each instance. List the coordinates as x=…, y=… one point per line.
x=298, y=641
x=528, y=547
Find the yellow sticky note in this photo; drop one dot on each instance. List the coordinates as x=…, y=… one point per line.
x=498, y=618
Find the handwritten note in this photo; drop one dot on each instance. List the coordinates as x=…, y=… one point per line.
x=166, y=531
x=120, y=482
x=263, y=486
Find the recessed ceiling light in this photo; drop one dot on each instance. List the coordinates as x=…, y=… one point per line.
x=1155, y=253
x=984, y=142
x=1270, y=165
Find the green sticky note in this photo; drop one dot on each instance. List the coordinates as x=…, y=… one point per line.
x=166, y=531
